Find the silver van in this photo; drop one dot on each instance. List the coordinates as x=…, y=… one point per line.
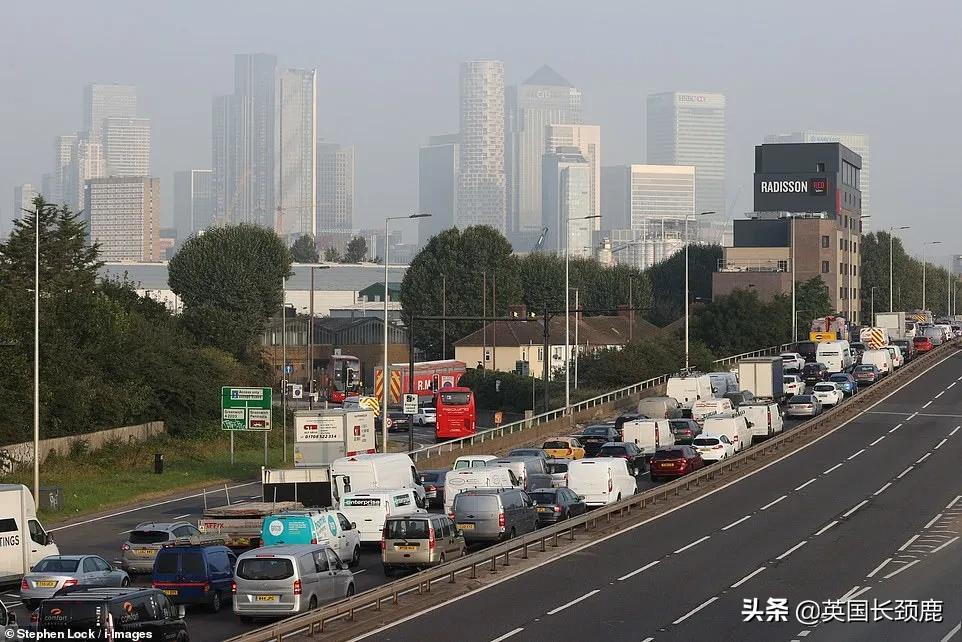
x=530, y=470
x=659, y=408
x=281, y=580
x=419, y=541
x=494, y=515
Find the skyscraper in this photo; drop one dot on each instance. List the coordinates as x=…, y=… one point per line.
x=192, y=202
x=103, y=101
x=126, y=144
x=587, y=139
x=687, y=128
x=566, y=194
x=298, y=153
x=544, y=99
x=481, y=180
x=87, y=162
x=23, y=196
x=858, y=143
x=124, y=217
x=638, y=195
x=63, y=159
x=335, y=187
x=223, y=155
x=437, y=185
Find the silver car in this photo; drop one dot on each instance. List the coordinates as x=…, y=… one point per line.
x=140, y=550
x=55, y=572
x=803, y=406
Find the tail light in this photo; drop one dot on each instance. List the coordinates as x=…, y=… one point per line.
x=501, y=521
x=297, y=587
x=125, y=547
x=313, y=540
x=717, y=447
x=35, y=617
x=384, y=539
x=557, y=509
x=23, y=585
x=431, y=540
x=70, y=582
x=233, y=588
x=206, y=587
x=430, y=488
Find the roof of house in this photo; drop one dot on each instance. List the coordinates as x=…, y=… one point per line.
x=596, y=331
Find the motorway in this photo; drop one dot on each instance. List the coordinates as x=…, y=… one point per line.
x=871, y=510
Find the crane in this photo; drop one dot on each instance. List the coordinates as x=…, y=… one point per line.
x=539, y=245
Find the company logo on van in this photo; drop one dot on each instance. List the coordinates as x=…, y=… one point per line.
x=332, y=525
x=10, y=540
x=275, y=528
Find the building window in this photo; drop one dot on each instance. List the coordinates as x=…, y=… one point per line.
x=841, y=268
x=854, y=270
x=540, y=353
x=826, y=242
x=841, y=293
x=819, y=167
x=854, y=293
x=783, y=266
x=826, y=267
x=487, y=355
x=854, y=247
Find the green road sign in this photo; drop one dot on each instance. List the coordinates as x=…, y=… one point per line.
x=245, y=408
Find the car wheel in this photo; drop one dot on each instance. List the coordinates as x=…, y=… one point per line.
x=464, y=552
x=215, y=602
x=388, y=571
x=125, y=582
x=312, y=604
x=350, y=590
x=356, y=558
x=441, y=559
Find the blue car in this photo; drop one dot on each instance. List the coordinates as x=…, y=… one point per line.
x=845, y=382
x=195, y=573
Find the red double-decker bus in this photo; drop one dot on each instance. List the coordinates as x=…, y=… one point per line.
x=456, y=413
x=339, y=377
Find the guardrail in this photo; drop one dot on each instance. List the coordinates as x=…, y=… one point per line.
x=764, y=352
x=314, y=622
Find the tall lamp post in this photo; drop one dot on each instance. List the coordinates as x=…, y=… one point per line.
x=567, y=350
x=687, y=243
x=891, y=279
x=872, y=313
x=385, y=373
x=923, y=267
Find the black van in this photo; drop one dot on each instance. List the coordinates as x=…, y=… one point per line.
x=99, y=613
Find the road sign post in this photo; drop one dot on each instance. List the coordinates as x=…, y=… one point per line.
x=246, y=410
x=410, y=404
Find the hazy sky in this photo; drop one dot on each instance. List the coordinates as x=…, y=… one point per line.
x=388, y=71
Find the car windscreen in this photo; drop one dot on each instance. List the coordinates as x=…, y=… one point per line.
x=56, y=565
x=612, y=451
x=838, y=378
x=553, y=468
x=706, y=441
x=71, y=615
x=148, y=537
x=475, y=503
x=430, y=477
x=265, y=568
x=455, y=398
x=596, y=430
x=406, y=529
x=555, y=445
x=543, y=498
x=674, y=453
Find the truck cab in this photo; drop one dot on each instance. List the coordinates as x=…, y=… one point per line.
x=23, y=540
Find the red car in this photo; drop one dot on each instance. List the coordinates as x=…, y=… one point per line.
x=674, y=462
x=922, y=344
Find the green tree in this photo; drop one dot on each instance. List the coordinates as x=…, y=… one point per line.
x=668, y=281
x=304, y=250
x=906, y=277
x=331, y=255
x=230, y=282
x=739, y=322
x=640, y=360
x=356, y=250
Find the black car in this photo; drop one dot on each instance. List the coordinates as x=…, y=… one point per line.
x=94, y=612
x=556, y=504
x=740, y=398
x=684, y=430
x=907, y=348
x=815, y=372
x=433, y=483
x=627, y=451
x=807, y=349
x=623, y=419
x=594, y=437
x=400, y=422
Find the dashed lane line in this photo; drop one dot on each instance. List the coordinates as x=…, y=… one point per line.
x=923, y=458
x=952, y=385
x=877, y=440
x=913, y=415
x=938, y=395
x=573, y=602
x=932, y=521
x=927, y=404
x=908, y=543
x=954, y=430
x=896, y=428
x=936, y=550
x=901, y=568
x=854, y=595
x=695, y=543
x=951, y=634
x=905, y=472
x=826, y=527
x=638, y=570
x=748, y=577
x=882, y=489
x=695, y=610
x=854, y=508
x=810, y=481
x=508, y=634
x=940, y=444
x=854, y=455
x=835, y=467
x=737, y=522
x=879, y=567
x=770, y=504
x=792, y=549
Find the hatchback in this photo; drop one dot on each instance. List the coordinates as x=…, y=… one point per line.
x=564, y=448
x=685, y=430
x=866, y=374
x=433, y=482
x=845, y=382
x=713, y=447
x=675, y=462
x=922, y=344
x=191, y=573
x=792, y=384
x=627, y=451
x=803, y=406
x=556, y=504
x=828, y=393
x=140, y=549
x=594, y=437
x=58, y=571
x=814, y=372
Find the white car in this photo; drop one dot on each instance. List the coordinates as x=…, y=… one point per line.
x=713, y=447
x=828, y=393
x=792, y=361
x=793, y=385
x=427, y=416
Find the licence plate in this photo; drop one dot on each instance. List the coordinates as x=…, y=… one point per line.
x=406, y=548
x=170, y=592
x=543, y=509
x=45, y=584
x=144, y=552
x=265, y=598
x=466, y=527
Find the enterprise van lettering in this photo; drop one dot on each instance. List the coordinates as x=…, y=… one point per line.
x=776, y=187
x=360, y=501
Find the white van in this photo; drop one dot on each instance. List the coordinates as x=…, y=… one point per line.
x=329, y=527
x=472, y=461
x=881, y=359
x=380, y=470
x=947, y=333
x=23, y=541
x=688, y=390
x=648, y=434
x=601, y=480
x=723, y=383
x=765, y=418
x=707, y=407
x=369, y=508
x=458, y=481
x=835, y=355
x=897, y=359
x=934, y=334
x=733, y=425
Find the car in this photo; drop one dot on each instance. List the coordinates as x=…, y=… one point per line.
x=792, y=361
x=140, y=549
x=866, y=374
x=556, y=504
x=419, y=541
x=792, y=384
x=908, y=349
x=685, y=430
x=828, y=393
x=433, y=482
x=564, y=448
x=627, y=451
x=100, y=613
x=845, y=382
x=558, y=469
x=528, y=452
x=594, y=437
x=189, y=571
x=426, y=416
x=803, y=406
x=675, y=462
x=398, y=422
x=740, y=397
x=922, y=344
x=55, y=572
x=713, y=448
x=814, y=372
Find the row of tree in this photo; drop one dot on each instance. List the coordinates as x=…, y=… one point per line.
x=304, y=250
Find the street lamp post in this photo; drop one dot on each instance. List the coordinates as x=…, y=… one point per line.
x=923, y=267
x=385, y=373
x=687, y=243
x=891, y=279
x=872, y=313
x=567, y=350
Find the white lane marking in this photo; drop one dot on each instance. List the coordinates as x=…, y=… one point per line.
x=938, y=395
x=909, y=418
x=959, y=379
x=901, y=568
x=882, y=489
x=183, y=516
x=508, y=634
x=954, y=430
x=848, y=593
x=953, y=502
x=951, y=634
x=854, y=455
x=695, y=543
x=877, y=440
x=695, y=610
x=905, y=472
x=879, y=567
x=855, y=508
x=896, y=428
x=936, y=550
x=908, y=543
x=835, y=467
x=810, y=481
x=691, y=501
x=952, y=385
x=803, y=634
x=941, y=443
x=923, y=458
x=770, y=504
x=792, y=549
x=932, y=521
x=648, y=639
x=748, y=577
x=638, y=570
x=120, y=533
x=863, y=591
x=573, y=602
x=154, y=505
x=826, y=527
x=927, y=404
x=736, y=523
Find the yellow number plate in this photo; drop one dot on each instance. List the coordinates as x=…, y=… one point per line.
x=265, y=598
x=170, y=591
x=543, y=509
x=144, y=552
x=406, y=548
x=46, y=584
x=466, y=527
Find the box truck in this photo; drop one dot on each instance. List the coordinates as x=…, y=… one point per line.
x=23, y=540
x=893, y=322
x=763, y=376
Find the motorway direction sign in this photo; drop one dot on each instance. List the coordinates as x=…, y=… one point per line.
x=410, y=404
x=245, y=408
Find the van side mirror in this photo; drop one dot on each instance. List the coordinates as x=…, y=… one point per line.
x=181, y=611
x=353, y=526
